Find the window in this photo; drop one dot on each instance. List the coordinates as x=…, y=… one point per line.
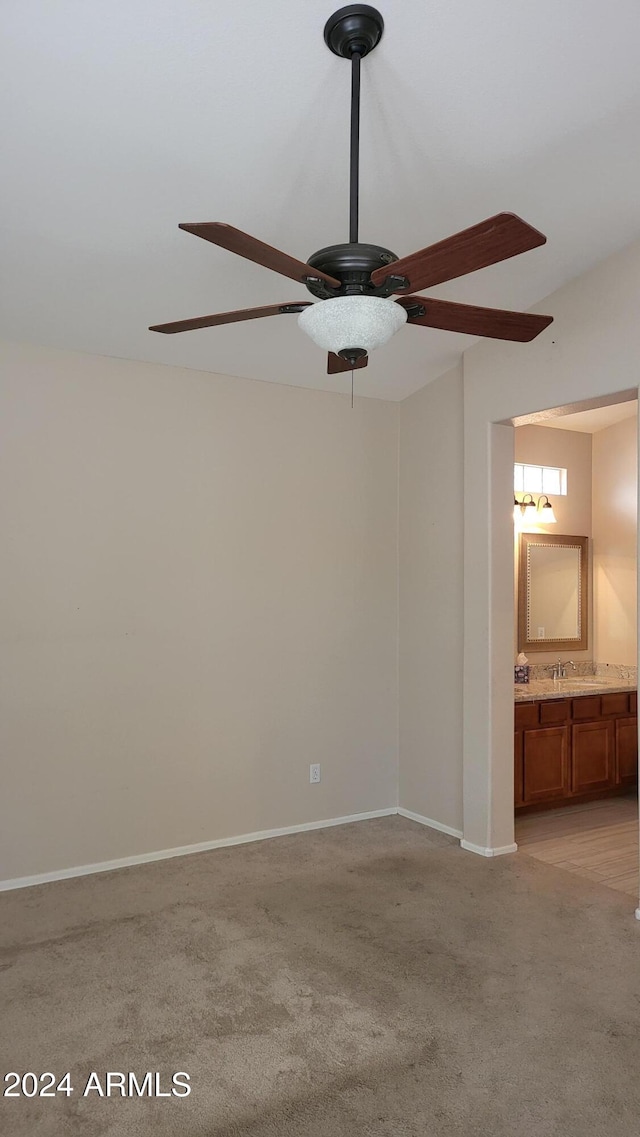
x=539, y=479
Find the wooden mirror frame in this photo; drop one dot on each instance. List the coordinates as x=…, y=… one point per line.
x=579, y=643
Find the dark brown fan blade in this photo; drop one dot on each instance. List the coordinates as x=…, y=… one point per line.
x=493, y=240
x=229, y=317
x=491, y=322
x=253, y=250
x=335, y=364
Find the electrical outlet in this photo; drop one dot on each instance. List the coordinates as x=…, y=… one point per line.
x=314, y=773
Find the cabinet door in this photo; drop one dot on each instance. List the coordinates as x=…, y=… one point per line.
x=626, y=752
x=545, y=764
x=592, y=758
x=517, y=772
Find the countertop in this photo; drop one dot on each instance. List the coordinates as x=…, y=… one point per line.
x=570, y=687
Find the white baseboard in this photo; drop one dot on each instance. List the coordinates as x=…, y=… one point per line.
x=187, y=850
x=488, y=852
x=243, y=839
x=429, y=822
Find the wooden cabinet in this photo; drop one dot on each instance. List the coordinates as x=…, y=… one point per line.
x=575, y=749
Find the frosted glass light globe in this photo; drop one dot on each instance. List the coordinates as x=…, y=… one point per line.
x=352, y=322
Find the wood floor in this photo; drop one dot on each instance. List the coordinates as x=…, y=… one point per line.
x=598, y=840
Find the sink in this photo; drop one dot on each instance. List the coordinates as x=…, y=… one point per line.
x=578, y=681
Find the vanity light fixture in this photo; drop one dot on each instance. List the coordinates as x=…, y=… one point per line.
x=545, y=510
x=523, y=511
x=529, y=512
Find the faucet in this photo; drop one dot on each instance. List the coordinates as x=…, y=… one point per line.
x=560, y=668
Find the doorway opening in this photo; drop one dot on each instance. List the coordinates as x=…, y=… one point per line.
x=575, y=619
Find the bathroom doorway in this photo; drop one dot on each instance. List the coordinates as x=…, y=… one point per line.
x=575, y=619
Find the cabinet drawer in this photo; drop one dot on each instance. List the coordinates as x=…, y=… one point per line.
x=554, y=710
x=526, y=715
x=633, y=703
x=586, y=707
x=615, y=703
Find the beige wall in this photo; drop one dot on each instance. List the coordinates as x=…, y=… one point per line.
x=615, y=511
x=570, y=449
x=200, y=599
x=431, y=615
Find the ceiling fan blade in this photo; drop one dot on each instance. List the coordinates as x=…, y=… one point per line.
x=229, y=317
x=493, y=240
x=253, y=250
x=466, y=318
x=335, y=364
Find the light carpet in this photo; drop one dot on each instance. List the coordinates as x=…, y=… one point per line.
x=372, y=979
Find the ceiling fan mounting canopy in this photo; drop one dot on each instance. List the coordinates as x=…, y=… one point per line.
x=352, y=263
x=353, y=281
x=355, y=29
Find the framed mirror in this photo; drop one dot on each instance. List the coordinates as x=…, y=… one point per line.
x=552, y=592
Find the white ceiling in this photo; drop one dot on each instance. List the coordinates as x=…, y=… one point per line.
x=122, y=120
x=589, y=422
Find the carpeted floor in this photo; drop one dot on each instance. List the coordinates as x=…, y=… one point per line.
x=372, y=980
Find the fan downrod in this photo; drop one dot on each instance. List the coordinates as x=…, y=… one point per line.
x=355, y=29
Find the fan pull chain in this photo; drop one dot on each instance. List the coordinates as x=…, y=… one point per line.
x=352, y=388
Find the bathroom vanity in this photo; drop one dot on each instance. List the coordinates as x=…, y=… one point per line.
x=576, y=735
x=575, y=740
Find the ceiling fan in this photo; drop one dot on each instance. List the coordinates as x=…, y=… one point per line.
x=353, y=281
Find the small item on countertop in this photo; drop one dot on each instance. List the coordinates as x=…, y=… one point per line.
x=521, y=670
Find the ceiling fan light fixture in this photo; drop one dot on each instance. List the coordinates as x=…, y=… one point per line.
x=356, y=323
